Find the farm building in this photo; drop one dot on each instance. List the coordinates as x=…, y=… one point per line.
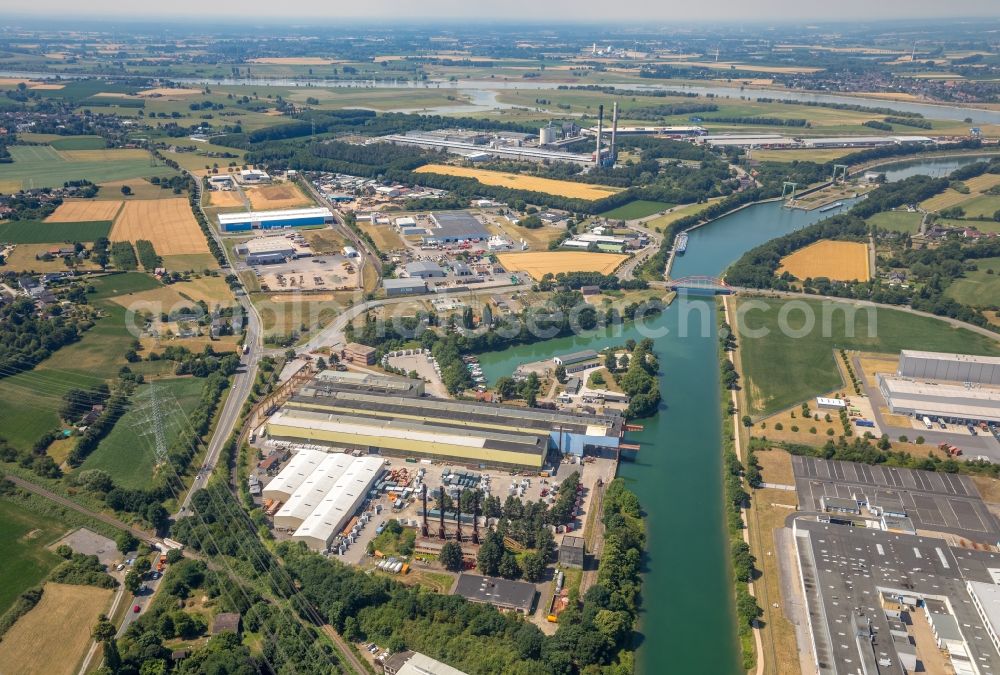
x=451, y=227
x=269, y=220
x=266, y=250
x=505, y=595
x=394, y=287
x=288, y=480
x=474, y=433
x=950, y=367
x=423, y=269
x=415, y=663
x=359, y=353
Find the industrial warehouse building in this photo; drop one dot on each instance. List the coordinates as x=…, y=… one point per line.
x=949, y=367
x=452, y=227
x=940, y=399
x=269, y=220
x=423, y=269
x=266, y=250
x=328, y=380
x=505, y=595
x=395, y=287
x=415, y=663
x=323, y=498
x=472, y=433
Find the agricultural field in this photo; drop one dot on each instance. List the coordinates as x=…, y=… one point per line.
x=379, y=99
x=281, y=315
x=195, y=262
x=167, y=223
x=65, y=142
x=640, y=208
x=666, y=219
x=950, y=197
x=31, y=400
x=141, y=189
x=126, y=454
x=36, y=166
x=898, y=221
x=818, y=155
x=23, y=258
x=280, y=196
x=210, y=290
x=82, y=210
x=980, y=288
x=36, y=232
x=24, y=537
x=53, y=637
x=835, y=260
x=537, y=239
x=540, y=263
x=781, y=370
x=560, y=188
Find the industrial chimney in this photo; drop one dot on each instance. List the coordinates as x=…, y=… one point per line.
x=458, y=517
x=475, y=517
x=600, y=131
x=441, y=515
x=424, y=529
x=614, y=134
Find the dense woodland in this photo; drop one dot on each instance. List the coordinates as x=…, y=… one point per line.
x=28, y=337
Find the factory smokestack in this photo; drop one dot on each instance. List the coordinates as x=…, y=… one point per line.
x=475, y=517
x=600, y=131
x=614, y=134
x=441, y=534
x=458, y=517
x=424, y=528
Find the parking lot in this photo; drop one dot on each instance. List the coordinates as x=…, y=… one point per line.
x=324, y=273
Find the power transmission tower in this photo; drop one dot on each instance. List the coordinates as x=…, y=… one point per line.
x=152, y=418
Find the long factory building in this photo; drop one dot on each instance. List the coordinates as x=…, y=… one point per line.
x=319, y=492
x=481, y=434
x=270, y=220
x=941, y=385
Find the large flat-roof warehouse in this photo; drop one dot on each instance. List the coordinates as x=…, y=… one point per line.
x=267, y=220
x=325, y=412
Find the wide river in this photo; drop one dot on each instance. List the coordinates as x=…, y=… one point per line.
x=687, y=623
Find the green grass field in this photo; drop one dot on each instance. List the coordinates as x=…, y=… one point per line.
x=983, y=206
x=897, y=221
x=79, y=143
x=782, y=370
x=36, y=166
x=979, y=288
x=30, y=401
x=26, y=561
x=128, y=456
x=640, y=208
x=37, y=232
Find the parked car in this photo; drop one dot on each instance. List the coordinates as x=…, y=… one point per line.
x=136, y=609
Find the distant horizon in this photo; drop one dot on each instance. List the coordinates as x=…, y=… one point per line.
x=517, y=12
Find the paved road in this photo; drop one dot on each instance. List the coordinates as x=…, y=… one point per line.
x=243, y=380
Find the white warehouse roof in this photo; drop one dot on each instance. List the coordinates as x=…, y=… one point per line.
x=256, y=216
x=340, y=501
x=302, y=463
x=945, y=356
x=312, y=492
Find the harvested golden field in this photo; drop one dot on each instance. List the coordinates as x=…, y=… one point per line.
x=835, y=260
x=561, y=188
x=23, y=259
x=106, y=155
x=53, y=637
x=224, y=199
x=47, y=87
x=540, y=263
x=950, y=197
x=83, y=211
x=284, y=196
x=226, y=343
x=168, y=223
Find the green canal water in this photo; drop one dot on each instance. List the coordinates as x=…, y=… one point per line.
x=687, y=601
x=687, y=623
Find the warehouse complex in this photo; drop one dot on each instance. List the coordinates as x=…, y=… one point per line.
x=320, y=491
x=391, y=418
x=946, y=386
x=269, y=220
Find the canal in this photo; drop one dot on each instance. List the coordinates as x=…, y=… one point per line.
x=687, y=622
x=687, y=605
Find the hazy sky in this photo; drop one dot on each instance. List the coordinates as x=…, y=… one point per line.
x=525, y=11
